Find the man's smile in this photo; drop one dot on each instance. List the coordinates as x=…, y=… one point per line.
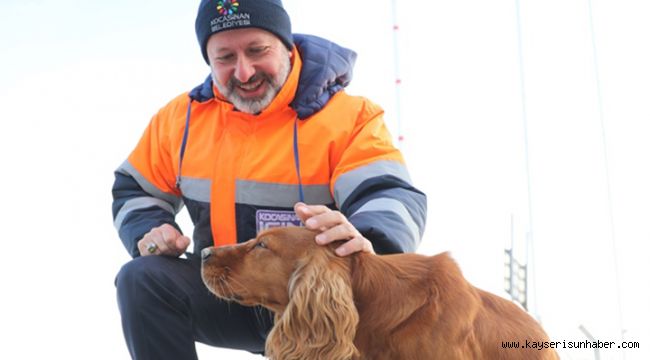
x=252, y=88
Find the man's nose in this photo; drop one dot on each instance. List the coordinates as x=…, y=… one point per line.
x=244, y=69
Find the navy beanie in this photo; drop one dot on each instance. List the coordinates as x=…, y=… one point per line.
x=220, y=15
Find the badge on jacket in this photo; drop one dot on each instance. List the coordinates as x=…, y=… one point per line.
x=266, y=219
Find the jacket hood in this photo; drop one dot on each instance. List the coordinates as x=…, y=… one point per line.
x=326, y=70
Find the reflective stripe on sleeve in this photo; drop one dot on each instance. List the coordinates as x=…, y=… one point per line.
x=140, y=203
x=348, y=182
x=394, y=206
x=175, y=201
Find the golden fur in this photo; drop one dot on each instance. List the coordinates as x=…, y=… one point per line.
x=364, y=306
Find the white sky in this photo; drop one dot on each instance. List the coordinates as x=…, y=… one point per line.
x=80, y=80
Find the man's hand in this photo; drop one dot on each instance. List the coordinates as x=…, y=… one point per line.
x=333, y=226
x=163, y=240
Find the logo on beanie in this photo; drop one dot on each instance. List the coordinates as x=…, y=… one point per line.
x=229, y=16
x=227, y=7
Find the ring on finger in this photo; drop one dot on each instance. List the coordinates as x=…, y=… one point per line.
x=152, y=247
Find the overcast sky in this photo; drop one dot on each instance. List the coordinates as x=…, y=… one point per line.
x=530, y=121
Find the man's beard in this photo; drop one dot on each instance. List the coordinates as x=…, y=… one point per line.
x=257, y=104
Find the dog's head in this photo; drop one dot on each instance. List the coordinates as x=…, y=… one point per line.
x=305, y=284
x=258, y=271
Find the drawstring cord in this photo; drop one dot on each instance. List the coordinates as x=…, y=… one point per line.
x=296, y=157
x=184, y=143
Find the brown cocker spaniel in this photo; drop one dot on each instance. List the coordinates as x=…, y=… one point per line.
x=364, y=306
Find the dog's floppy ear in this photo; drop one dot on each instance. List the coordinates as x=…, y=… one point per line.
x=321, y=319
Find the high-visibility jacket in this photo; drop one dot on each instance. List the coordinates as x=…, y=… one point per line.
x=239, y=173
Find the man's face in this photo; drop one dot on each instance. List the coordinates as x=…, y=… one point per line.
x=249, y=66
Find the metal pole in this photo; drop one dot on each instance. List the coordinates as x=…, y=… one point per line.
x=398, y=80
x=530, y=259
x=591, y=338
x=607, y=175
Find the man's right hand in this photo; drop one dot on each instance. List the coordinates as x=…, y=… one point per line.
x=163, y=240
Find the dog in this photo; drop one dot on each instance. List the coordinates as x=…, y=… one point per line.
x=366, y=306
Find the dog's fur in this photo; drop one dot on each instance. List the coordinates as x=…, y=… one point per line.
x=364, y=306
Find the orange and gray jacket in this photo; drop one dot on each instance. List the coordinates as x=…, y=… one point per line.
x=239, y=173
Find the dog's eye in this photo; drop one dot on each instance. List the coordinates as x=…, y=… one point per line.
x=261, y=245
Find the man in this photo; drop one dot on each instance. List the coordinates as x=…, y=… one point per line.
x=268, y=132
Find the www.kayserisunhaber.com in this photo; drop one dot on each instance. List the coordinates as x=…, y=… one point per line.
x=567, y=344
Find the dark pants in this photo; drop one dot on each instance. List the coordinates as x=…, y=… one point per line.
x=165, y=308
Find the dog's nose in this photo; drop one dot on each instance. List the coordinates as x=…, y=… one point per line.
x=206, y=253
